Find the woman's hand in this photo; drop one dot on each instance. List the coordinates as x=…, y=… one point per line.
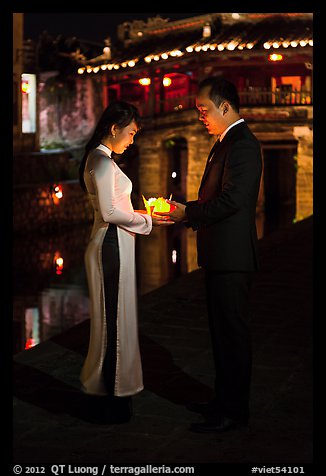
x=161, y=221
x=157, y=220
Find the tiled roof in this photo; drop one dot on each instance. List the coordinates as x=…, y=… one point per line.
x=270, y=31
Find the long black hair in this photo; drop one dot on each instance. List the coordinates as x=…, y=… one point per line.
x=117, y=113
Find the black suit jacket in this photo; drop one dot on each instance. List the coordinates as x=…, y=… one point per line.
x=225, y=213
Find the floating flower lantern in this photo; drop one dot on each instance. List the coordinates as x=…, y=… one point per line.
x=157, y=205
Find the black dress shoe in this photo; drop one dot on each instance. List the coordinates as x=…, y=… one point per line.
x=217, y=425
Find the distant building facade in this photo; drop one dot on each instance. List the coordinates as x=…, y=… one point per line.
x=25, y=111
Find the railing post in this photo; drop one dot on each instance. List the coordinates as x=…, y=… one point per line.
x=151, y=96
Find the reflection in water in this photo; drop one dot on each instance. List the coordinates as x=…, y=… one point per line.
x=32, y=327
x=62, y=308
x=50, y=286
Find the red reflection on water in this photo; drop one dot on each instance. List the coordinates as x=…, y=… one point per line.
x=57, y=193
x=58, y=262
x=30, y=343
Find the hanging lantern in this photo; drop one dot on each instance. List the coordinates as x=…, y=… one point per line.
x=144, y=81
x=167, y=81
x=275, y=57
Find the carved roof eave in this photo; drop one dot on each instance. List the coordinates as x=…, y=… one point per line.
x=271, y=32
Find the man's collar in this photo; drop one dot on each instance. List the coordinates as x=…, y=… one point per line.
x=228, y=128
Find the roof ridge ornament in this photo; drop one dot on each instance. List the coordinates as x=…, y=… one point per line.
x=136, y=29
x=207, y=30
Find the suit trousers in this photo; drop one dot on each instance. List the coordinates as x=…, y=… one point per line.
x=227, y=295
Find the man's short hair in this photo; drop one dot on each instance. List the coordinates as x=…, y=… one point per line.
x=220, y=90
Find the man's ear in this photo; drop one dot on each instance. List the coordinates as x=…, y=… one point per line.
x=225, y=107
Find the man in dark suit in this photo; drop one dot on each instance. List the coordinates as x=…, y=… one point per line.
x=224, y=218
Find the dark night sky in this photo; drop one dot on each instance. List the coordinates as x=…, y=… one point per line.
x=86, y=26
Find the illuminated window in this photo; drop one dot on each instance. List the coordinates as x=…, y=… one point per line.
x=291, y=89
x=28, y=88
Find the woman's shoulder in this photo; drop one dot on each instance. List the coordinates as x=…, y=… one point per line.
x=98, y=160
x=99, y=153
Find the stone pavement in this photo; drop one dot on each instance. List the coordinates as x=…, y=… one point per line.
x=48, y=424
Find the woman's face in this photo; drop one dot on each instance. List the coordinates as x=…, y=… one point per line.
x=124, y=137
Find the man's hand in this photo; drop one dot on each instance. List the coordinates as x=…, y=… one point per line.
x=178, y=214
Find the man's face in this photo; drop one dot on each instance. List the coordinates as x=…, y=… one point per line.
x=210, y=115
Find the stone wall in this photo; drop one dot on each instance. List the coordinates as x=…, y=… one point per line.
x=153, y=167
x=296, y=125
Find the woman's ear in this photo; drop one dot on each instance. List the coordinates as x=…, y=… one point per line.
x=113, y=130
